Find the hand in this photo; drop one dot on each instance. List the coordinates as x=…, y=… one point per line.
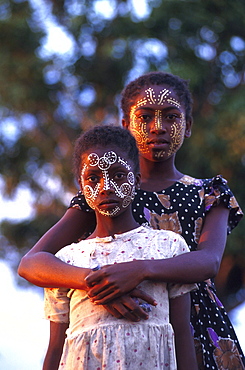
x=127, y=307
x=115, y=280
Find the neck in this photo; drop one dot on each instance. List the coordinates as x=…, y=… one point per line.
x=156, y=176
x=109, y=226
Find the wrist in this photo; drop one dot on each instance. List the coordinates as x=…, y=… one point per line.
x=145, y=271
x=151, y=270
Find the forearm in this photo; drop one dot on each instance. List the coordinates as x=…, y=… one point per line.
x=56, y=341
x=186, y=268
x=51, y=272
x=52, y=360
x=72, y=225
x=185, y=350
x=179, y=309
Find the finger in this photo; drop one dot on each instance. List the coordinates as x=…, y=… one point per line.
x=136, y=310
x=113, y=311
x=138, y=293
x=105, y=297
x=93, y=278
x=126, y=312
x=103, y=294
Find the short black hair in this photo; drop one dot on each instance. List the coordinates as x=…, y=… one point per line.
x=134, y=88
x=105, y=135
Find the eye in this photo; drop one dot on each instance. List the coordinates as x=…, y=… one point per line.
x=119, y=176
x=144, y=117
x=92, y=178
x=171, y=116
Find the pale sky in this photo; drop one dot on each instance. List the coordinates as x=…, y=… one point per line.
x=24, y=332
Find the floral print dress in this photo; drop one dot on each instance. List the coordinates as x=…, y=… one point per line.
x=95, y=338
x=182, y=208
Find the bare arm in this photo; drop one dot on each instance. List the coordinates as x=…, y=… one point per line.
x=55, y=347
x=199, y=265
x=184, y=341
x=40, y=267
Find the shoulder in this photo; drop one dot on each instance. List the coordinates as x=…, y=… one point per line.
x=163, y=234
x=169, y=241
x=217, y=181
x=189, y=180
x=70, y=250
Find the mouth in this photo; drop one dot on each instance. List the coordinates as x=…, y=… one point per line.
x=157, y=143
x=108, y=202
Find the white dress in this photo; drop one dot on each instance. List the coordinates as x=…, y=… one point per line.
x=97, y=340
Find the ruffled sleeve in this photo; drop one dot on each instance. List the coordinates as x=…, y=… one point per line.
x=56, y=304
x=177, y=246
x=218, y=192
x=57, y=300
x=79, y=202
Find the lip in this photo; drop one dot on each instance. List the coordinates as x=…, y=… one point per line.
x=157, y=143
x=108, y=202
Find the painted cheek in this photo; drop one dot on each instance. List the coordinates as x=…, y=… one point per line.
x=177, y=135
x=138, y=130
x=91, y=194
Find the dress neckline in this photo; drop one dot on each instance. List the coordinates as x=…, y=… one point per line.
x=108, y=239
x=185, y=180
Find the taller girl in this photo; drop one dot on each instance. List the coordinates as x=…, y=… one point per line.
x=157, y=110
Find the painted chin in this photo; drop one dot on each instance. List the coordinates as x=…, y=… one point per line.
x=159, y=154
x=110, y=212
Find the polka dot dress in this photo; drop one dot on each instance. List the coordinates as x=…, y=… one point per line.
x=182, y=208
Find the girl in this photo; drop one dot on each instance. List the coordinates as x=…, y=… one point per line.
x=157, y=110
x=106, y=163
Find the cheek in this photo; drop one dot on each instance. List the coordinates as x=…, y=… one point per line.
x=128, y=190
x=139, y=132
x=91, y=194
x=177, y=135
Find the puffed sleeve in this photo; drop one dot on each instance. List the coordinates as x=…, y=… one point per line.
x=178, y=246
x=79, y=202
x=56, y=304
x=217, y=191
x=57, y=300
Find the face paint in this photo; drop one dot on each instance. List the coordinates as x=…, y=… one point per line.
x=124, y=191
x=139, y=128
x=177, y=134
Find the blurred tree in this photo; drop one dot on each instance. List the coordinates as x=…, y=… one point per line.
x=50, y=91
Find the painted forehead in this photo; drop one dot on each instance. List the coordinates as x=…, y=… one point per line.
x=150, y=96
x=105, y=161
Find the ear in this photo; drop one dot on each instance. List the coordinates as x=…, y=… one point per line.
x=137, y=180
x=80, y=184
x=188, y=128
x=125, y=124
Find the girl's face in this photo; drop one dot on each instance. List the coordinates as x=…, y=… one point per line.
x=107, y=180
x=157, y=121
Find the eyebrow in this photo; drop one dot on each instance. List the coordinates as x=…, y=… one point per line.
x=114, y=166
x=166, y=109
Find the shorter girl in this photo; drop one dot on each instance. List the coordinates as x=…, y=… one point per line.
x=107, y=167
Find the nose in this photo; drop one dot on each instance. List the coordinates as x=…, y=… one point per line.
x=157, y=126
x=107, y=185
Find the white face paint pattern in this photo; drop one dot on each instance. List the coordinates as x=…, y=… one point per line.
x=125, y=191
x=139, y=130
